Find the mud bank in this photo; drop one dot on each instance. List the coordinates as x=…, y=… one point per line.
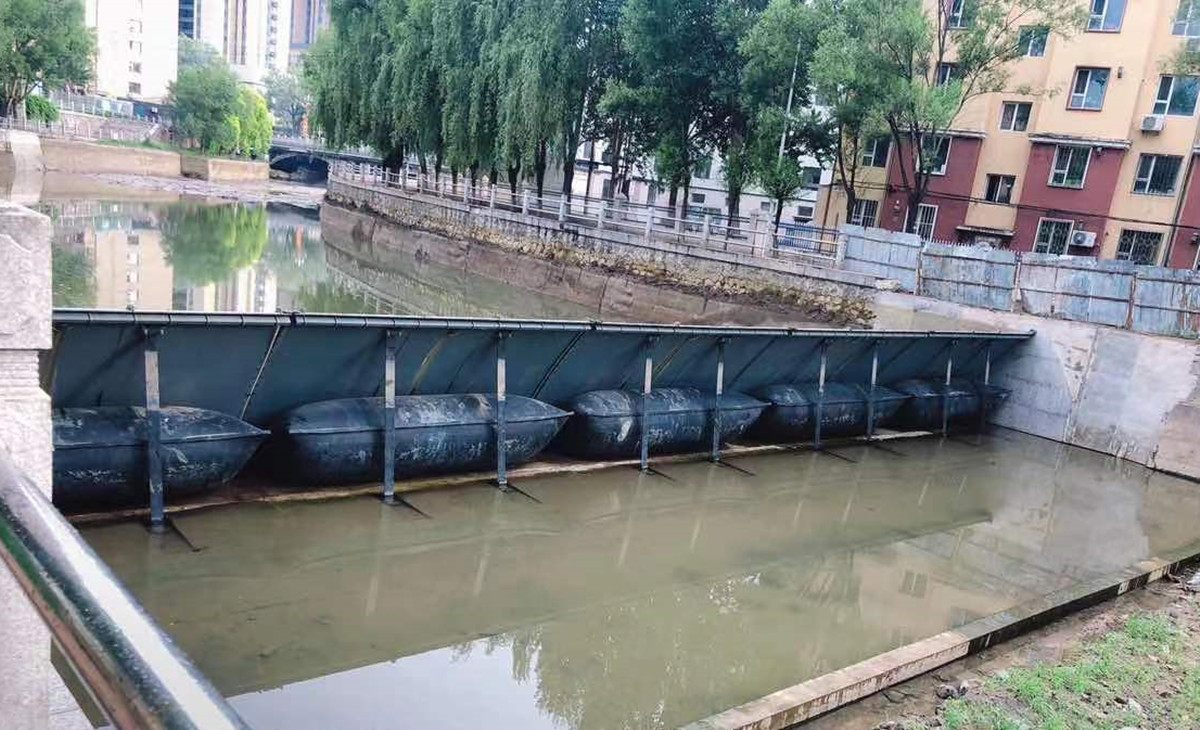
x=612, y=286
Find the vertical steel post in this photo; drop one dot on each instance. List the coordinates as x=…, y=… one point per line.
x=720, y=390
x=389, y=418
x=820, y=395
x=154, y=470
x=501, y=411
x=871, y=392
x=647, y=384
x=985, y=393
x=946, y=393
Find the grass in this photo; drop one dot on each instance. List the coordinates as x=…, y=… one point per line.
x=144, y=144
x=1145, y=674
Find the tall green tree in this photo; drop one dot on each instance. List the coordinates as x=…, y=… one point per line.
x=203, y=97
x=287, y=98
x=193, y=52
x=914, y=66
x=255, y=126
x=42, y=43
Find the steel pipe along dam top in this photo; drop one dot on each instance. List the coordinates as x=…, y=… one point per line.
x=152, y=404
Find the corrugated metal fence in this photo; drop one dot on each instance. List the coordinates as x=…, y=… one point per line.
x=1152, y=299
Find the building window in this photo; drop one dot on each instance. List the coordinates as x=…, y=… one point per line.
x=946, y=72
x=135, y=26
x=875, y=152
x=135, y=47
x=957, y=16
x=703, y=168
x=1156, y=174
x=135, y=67
x=606, y=191
x=1070, y=166
x=1000, y=188
x=698, y=198
x=1187, y=19
x=1053, y=235
x=135, y=87
x=1031, y=41
x=937, y=154
x=925, y=220
x=1177, y=95
x=1088, y=89
x=765, y=206
x=1140, y=247
x=810, y=177
x=1014, y=116
x=865, y=213
x=1106, y=15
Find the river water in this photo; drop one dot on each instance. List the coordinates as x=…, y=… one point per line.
x=617, y=600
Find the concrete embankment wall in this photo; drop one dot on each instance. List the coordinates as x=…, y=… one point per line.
x=216, y=169
x=61, y=155
x=1123, y=393
x=609, y=295
x=409, y=207
x=606, y=261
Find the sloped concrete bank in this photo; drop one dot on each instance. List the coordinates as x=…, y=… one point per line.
x=609, y=283
x=1123, y=393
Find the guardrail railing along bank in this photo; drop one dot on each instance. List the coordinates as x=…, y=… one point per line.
x=753, y=238
x=138, y=677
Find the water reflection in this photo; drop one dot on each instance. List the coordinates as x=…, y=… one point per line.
x=626, y=601
x=199, y=256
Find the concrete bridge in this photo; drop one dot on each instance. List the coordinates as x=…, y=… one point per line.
x=309, y=159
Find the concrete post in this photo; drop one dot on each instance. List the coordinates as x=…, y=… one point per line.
x=649, y=222
x=707, y=228
x=562, y=211
x=25, y=435
x=603, y=210
x=525, y=203
x=492, y=197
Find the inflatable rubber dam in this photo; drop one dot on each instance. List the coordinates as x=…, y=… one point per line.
x=157, y=407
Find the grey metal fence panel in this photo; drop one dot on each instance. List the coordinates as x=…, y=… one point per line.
x=977, y=276
x=882, y=253
x=1080, y=289
x=1167, y=301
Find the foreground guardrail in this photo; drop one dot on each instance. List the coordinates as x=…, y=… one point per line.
x=140, y=679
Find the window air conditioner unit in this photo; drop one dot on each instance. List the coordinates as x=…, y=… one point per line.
x=1153, y=122
x=1083, y=239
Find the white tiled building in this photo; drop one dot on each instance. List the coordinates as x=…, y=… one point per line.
x=136, y=46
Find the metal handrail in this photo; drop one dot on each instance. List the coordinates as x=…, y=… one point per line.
x=137, y=675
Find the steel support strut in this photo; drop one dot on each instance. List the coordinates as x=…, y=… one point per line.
x=985, y=395
x=389, y=417
x=946, y=393
x=824, y=347
x=154, y=470
x=871, y=392
x=501, y=412
x=643, y=410
x=716, y=411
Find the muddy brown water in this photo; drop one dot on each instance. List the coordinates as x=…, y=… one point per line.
x=623, y=600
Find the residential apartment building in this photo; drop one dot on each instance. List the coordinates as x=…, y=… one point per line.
x=252, y=35
x=1098, y=161
x=309, y=18
x=706, y=192
x=136, y=47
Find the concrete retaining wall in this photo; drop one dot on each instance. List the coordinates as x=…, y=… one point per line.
x=1123, y=393
x=219, y=169
x=60, y=155
x=885, y=254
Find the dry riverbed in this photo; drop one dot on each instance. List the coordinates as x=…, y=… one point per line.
x=1129, y=664
x=158, y=188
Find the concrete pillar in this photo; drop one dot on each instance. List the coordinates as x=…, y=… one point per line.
x=25, y=672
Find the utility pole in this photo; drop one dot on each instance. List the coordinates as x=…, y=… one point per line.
x=787, y=114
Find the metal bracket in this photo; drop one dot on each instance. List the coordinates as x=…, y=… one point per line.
x=391, y=345
x=871, y=392
x=986, y=392
x=946, y=393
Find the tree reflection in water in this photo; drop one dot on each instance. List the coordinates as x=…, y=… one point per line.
x=206, y=243
x=660, y=659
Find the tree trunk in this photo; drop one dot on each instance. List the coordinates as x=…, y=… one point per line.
x=733, y=201
x=673, y=197
x=513, y=170
x=591, y=164
x=568, y=176
x=686, y=203
x=539, y=169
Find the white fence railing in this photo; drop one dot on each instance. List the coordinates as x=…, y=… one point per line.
x=67, y=128
x=755, y=238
